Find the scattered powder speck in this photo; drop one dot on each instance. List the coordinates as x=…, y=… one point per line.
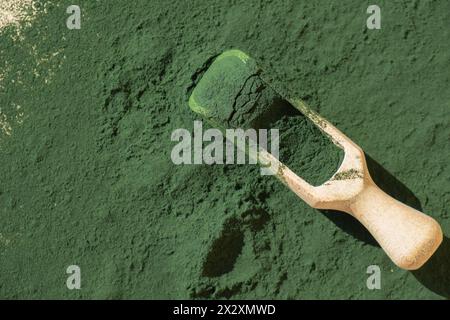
x=5, y=126
x=41, y=63
x=14, y=12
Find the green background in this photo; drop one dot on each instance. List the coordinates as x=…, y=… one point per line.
x=86, y=176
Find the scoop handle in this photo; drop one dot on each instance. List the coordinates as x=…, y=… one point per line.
x=409, y=237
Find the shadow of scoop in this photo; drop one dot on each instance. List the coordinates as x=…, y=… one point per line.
x=435, y=274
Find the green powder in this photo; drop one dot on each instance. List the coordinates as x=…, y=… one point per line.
x=306, y=150
x=85, y=171
x=233, y=94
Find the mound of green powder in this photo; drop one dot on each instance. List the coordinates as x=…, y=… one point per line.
x=306, y=150
x=232, y=94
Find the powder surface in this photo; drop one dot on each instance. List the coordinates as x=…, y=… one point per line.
x=306, y=150
x=232, y=94
x=87, y=178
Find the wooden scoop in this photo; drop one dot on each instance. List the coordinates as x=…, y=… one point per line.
x=408, y=236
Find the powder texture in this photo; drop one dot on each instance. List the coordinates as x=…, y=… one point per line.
x=306, y=150
x=87, y=179
x=231, y=93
